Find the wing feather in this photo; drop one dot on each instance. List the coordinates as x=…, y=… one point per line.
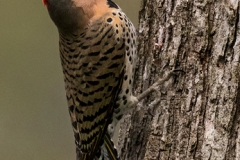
x=94, y=73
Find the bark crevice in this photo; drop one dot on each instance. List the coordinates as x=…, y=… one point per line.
x=195, y=116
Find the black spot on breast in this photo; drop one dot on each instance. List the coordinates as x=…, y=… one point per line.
x=109, y=20
x=130, y=81
x=125, y=77
x=127, y=91
x=130, y=58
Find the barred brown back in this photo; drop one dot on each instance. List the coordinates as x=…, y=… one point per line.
x=93, y=66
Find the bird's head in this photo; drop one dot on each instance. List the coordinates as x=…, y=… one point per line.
x=68, y=15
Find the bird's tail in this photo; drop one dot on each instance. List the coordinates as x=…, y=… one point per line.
x=108, y=150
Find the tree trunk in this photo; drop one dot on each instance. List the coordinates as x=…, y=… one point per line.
x=196, y=114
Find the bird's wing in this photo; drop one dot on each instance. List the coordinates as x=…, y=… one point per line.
x=98, y=80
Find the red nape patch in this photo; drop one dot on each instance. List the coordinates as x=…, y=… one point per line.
x=45, y=2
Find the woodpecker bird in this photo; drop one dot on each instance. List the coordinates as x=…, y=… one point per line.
x=98, y=54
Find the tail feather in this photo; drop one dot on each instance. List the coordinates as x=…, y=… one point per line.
x=108, y=150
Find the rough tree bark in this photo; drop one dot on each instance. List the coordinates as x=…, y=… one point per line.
x=196, y=114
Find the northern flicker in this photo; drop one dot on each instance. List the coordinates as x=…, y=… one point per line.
x=98, y=54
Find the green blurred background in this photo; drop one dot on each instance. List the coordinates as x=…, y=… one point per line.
x=34, y=120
